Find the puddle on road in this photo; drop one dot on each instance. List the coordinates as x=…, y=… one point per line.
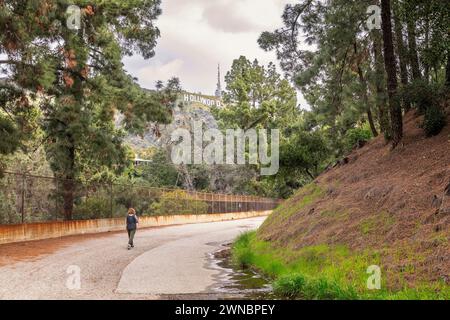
x=230, y=283
x=235, y=283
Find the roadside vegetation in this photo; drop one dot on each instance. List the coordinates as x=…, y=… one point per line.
x=322, y=271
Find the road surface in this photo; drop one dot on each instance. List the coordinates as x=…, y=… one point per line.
x=171, y=262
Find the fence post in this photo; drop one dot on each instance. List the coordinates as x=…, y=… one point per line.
x=196, y=203
x=23, y=198
x=111, y=199
x=56, y=199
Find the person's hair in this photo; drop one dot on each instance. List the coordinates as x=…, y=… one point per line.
x=131, y=211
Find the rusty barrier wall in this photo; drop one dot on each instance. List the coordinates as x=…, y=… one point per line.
x=55, y=229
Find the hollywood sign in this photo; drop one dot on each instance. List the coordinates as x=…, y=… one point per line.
x=188, y=97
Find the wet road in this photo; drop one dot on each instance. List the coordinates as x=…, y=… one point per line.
x=170, y=263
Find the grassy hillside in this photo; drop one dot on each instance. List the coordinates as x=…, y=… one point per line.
x=378, y=207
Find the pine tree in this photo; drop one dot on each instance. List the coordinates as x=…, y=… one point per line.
x=379, y=82
x=80, y=80
x=390, y=66
x=256, y=96
x=401, y=51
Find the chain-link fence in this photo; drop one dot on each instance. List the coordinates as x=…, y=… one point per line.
x=28, y=198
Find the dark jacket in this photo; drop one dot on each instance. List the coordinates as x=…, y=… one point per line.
x=132, y=222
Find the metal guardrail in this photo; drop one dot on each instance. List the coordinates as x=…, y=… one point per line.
x=28, y=198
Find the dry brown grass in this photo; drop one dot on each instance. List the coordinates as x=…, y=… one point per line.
x=382, y=200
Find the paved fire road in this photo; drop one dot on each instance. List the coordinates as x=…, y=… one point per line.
x=169, y=262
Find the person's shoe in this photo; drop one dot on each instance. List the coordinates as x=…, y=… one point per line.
x=132, y=245
x=129, y=247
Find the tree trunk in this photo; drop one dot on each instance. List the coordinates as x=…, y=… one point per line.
x=69, y=182
x=381, y=101
x=68, y=197
x=413, y=57
x=426, y=65
x=390, y=66
x=365, y=97
x=187, y=183
x=447, y=71
x=402, y=55
x=371, y=122
x=309, y=174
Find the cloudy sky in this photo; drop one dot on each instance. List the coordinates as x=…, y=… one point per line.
x=196, y=35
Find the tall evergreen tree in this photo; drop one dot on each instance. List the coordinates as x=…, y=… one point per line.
x=401, y=50
x=77, y=76
x=390, y=66
x=256, y=96
x=379, y=82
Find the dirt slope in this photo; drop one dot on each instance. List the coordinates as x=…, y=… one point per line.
x=382, y=200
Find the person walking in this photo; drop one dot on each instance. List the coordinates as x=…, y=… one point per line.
x=132, y=222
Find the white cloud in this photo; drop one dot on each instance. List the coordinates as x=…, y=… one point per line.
x=150, y=74
x=224, y=16
x=196, y=35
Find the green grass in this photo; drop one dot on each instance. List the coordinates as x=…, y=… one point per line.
x=305, y=196
x=322, y=272
x=378, y=222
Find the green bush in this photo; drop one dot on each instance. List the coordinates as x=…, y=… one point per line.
x=421, y=94
x=242, y=254
x=178, y=202
x=291, y=286
x=434, y=120
x=325, y=289
x=8, y=205
x=96, y=207
x=141, y=199
x=356, y=135
x=8, y=213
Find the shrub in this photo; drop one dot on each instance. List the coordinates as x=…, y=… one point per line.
x=135, y=197
x=426, y=98
x=178, y=202
x=299, y=286
x=326, y=289
x=242, y=253
x=421, y=94
x=434, y=120
x=8, y=205
x=356, y=135
x=97, y=207
x=290, y=286
x=8, y=213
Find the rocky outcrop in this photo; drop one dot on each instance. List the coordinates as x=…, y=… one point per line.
x=183, y=117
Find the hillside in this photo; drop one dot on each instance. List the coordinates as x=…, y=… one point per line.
x=184, y=114
x=389, y=206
